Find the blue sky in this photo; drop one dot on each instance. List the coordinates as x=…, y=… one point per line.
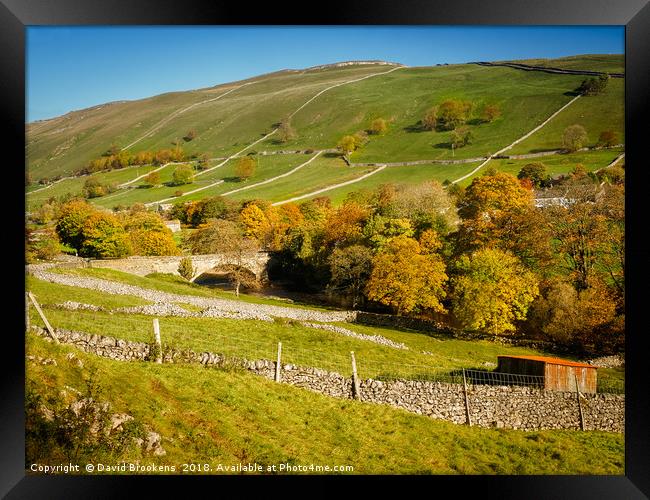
x=72, y=68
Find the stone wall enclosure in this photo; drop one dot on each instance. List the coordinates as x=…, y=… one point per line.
x=509, y=407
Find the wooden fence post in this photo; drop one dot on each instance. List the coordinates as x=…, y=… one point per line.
x=27, y=325
x=469, y=418
x=48, y=327
x=355, y=378
x=156, y=334
x=277, y=363
x=582, y=419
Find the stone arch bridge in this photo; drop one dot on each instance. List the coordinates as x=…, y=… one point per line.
x=255, y=262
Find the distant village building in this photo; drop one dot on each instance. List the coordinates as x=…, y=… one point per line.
x=558, y=374
x=565, y=197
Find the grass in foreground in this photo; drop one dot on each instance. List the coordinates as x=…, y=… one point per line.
x=214, y=416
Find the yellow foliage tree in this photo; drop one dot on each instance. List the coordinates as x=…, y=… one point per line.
x=406, y=279
x=256, y=225
x=492, y=290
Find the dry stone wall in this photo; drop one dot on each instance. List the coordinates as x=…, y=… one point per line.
x=489, y=406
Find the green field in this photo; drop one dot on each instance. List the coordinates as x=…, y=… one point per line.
x=594, y=113
x=75, y=185
x=611, y=63
x=555, y=164
x=412, y=174
x=226, y=416
x=322, y=172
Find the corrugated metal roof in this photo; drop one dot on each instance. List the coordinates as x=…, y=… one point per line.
x=551, y=361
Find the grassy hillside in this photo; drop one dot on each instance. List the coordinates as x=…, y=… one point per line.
x=611, y=63
x=214, y=416
x=594, y=113
x=246, y=111
x=61, y=145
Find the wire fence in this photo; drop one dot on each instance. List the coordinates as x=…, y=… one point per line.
x=236, y=346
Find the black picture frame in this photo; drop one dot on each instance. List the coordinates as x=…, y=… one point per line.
x=15, y=15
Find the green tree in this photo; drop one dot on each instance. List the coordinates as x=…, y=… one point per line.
x=574, y=137
x=460, y=137
x=183, y=174
x=406, y=279
x=350, y=268
x=491, y=290
x=536, y=172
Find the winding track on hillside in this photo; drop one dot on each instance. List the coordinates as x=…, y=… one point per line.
x=274, y=178
x=269, y=134
x=329, y=188
x=169, y=118
x=523, y=137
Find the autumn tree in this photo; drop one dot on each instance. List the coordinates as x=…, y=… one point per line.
x=186, y=268
x=93, y=188
x=202, y=162
x=574, y=137
x=491, y=290
x=427, y=205
x=148, y=234
x=487, y=200
x=579, y=232
x=378, y=126
x=429, y=120
x=152, y=179
x=406, y=279
x=226, y=237
x=286, y=132
x=570, y=317
x=344, y=225
x=536, y=172
x=350, y=269
x=460, y=137
x=490, y=112
x=452, y=113
x=607, y=139
x=347, y=145
x=71, y=221
x=103, y=236
x=245, y=168
x=254, y=221
x=183, y=174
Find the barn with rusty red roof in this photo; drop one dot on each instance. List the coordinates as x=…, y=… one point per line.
x=559, y=374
